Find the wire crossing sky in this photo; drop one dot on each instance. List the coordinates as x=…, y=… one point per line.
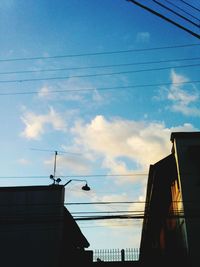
x=169, y=12
x=103, y=83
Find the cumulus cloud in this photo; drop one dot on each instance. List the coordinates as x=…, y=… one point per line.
x=114, y=141
x=183, y=97
x=141, y=142
x=35, y=123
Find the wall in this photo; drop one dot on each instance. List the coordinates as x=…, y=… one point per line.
x=31, y=226
x=187, y=153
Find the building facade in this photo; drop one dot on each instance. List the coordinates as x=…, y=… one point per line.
x=37, y=230
x=171, y=232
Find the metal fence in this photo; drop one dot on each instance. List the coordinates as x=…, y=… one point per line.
x=128, y=254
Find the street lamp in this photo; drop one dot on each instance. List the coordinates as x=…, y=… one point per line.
x=85, y=187
x=58, y=180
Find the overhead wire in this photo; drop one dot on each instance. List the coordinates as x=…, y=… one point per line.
x=44, y=214
x=100, y=66
x=22, y=219
x=101, y=89
x=74, y=176
x=145, y=7
x=100, y=53
x=181, y=9
x=62, y=205
x=190, y=5
x=96, y=74
x=176, y=13
x=115, y=202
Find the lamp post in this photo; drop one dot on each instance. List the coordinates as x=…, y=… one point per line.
x=58, y=180
x=85, y=187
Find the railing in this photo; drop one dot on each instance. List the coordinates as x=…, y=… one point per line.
x=128, y=254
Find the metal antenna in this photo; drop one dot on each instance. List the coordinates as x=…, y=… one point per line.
x=53, y=176
x=54, y=170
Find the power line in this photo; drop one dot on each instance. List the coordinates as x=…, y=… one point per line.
x=164, y=18
x=83, y=175
x=99, y=66
x=102, y=212
x=38, y=218
x=96, y=74
x=105, y=202
x=106, y=225
x=100, y=53
x=102, y=89
x=176, y=13
x=127, y=217
x=181, y=9
x=62, y=205
x=192, y=6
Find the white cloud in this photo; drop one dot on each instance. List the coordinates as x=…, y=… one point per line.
x=183, y=100
x=142, y=143
x=35, y=123
x=115, y=140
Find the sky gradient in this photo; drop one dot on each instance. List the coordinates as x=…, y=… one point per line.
x=104, y=83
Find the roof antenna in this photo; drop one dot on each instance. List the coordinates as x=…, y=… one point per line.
x=54, y=169
x=53, y=177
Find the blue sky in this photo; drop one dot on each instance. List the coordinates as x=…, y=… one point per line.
x=115, y=124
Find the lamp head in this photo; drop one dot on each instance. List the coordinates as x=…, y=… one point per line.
x=86, y=187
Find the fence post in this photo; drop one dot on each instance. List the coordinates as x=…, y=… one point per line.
x=122, y=255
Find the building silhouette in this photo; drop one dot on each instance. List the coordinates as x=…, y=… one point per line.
x=37, y=230
x=171, y=226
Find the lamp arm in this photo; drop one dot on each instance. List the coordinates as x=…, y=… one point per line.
x=67, y=182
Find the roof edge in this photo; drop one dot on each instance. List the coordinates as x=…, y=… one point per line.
x=182, y=135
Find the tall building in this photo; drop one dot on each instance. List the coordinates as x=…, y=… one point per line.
x=171, y=226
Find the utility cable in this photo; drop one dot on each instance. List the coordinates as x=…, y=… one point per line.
x=181, y=9
x=95, y=75
x=100, y=53
x=101, y=89
x=176, y=13
x=192, y=6
x=78, y=176
x=99, y=66
x=165, y=18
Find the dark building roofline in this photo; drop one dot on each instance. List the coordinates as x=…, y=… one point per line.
x=31, y=188
x=73, y=231
x=182, y=135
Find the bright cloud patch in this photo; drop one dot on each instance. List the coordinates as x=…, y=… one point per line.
x=35, y=123
x=141, y=142
x=183, y=100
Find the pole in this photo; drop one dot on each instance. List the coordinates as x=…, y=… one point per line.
x=54, y=171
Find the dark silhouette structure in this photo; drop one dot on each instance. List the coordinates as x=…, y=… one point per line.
x=37, y=230
x=171, y=233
